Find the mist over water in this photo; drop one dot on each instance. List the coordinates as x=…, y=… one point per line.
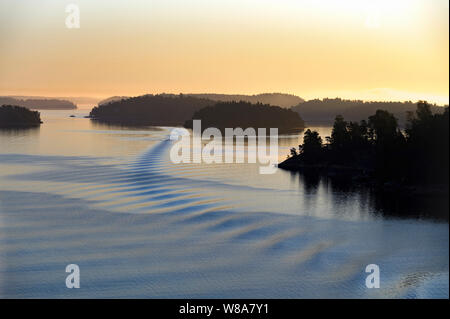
x=109, y=199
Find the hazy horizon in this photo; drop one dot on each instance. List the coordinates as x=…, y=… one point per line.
x=369, y=50
x=96, y=99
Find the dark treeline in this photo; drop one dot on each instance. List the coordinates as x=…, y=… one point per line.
x=150, y=110
x=354, y=110
x=42, y=104
x=244, y=115
x=12, y=116
x=276, y=99
x=377, y=150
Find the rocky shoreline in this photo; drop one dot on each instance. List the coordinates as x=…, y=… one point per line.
x=362, y=176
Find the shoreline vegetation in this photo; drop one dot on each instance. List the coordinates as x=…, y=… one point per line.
x=376, y=152
x=13, y=116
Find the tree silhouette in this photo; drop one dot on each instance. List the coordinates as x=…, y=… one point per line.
x=312, y=146
x=428, y=144
x=420, y=155
x=339, y=136
x=384, y=126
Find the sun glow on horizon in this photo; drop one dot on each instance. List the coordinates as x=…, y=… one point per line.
x=376, y=49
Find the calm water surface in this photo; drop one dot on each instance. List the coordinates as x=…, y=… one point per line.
x=108, y=199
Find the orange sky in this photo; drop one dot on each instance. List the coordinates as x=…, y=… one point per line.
x=368, y=49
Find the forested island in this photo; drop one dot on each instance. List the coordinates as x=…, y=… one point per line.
x=179, y=110
x=12, y=116
x=244, y=114
x=376, y=151
x=317, y=110
x=149, y=110
x=38, y=104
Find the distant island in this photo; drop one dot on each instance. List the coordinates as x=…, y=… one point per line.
x=244, y=114
x=315, y=111
x=12, y=116
x=38, y=104
x=77, y=100
x=276, y=99
x=376, y=151
x=112, y=99
x=149, y=110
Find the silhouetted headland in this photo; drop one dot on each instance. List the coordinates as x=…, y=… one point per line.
x=12, y=116
x=244, y=115
x=377, y=152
